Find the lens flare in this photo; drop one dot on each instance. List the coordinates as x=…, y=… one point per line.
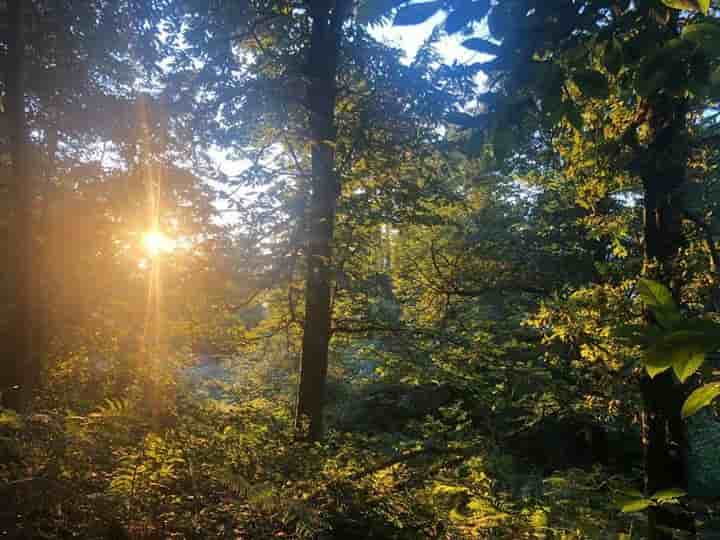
x=157, y=243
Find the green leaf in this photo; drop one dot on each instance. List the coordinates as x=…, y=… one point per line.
x=702, y=397
x=591, y=83
x=666, y=495
x=655, y=294
x=659, y=300
x=656, y=369
x=690, y=5
x=416, y=13
x=704, y=34
x=684, y=350
x=684, y=347
x=686, y=361
x=481, y=46
x=636, y=505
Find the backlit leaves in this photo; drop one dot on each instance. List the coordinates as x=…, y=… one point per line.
x=659, y=300
x=700, y=398
x=690, y=5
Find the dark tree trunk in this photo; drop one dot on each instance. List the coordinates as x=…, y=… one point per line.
x=663, y=171
x=325, y=41
x=21, y=369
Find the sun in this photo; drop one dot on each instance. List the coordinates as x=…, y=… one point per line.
x=156, y=243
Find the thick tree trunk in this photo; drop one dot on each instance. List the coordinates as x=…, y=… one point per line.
x=21, y=369
x=663, y=171
x=327, y=20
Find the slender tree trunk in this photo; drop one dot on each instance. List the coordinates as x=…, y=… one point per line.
x=663, y=170
x=325, y=41
x=22, y=371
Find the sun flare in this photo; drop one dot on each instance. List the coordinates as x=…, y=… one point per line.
x=156, y=243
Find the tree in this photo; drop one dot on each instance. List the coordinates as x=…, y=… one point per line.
x=376, y=141
x=552, y=60
x=325, y=42
x=23, y=367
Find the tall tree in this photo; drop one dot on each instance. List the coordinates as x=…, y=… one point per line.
x=322, y=67
x=22, y=365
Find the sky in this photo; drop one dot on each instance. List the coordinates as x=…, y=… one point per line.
x=410, y=38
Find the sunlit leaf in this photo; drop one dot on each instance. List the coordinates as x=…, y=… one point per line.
x=684, y=349
x=700, y=398
x=655, y=294
x=687, y=360
x=655, y=370
x=659, y=300
x=690, y=5
x=665, y=495
x=636, y=505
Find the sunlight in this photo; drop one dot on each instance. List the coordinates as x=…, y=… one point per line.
x=156, y=243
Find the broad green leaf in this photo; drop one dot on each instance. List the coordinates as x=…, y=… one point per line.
x=591, y=83
x=655, y=370
x=682, y=349
x=705, y=35
x=416, y=13
x=702, y=397
x=659, y=300
x=687, y=360
x=665, y=495
x=482, y=46
x=637, y=505
x=655, y=294
x=690, y=5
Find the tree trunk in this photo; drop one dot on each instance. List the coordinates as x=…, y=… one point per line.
x=663, y=171
x=325, y=41
x=22, y=371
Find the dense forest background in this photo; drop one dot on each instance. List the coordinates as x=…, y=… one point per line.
x=269, y=277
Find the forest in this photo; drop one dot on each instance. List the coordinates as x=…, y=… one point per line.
x=272, y=274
